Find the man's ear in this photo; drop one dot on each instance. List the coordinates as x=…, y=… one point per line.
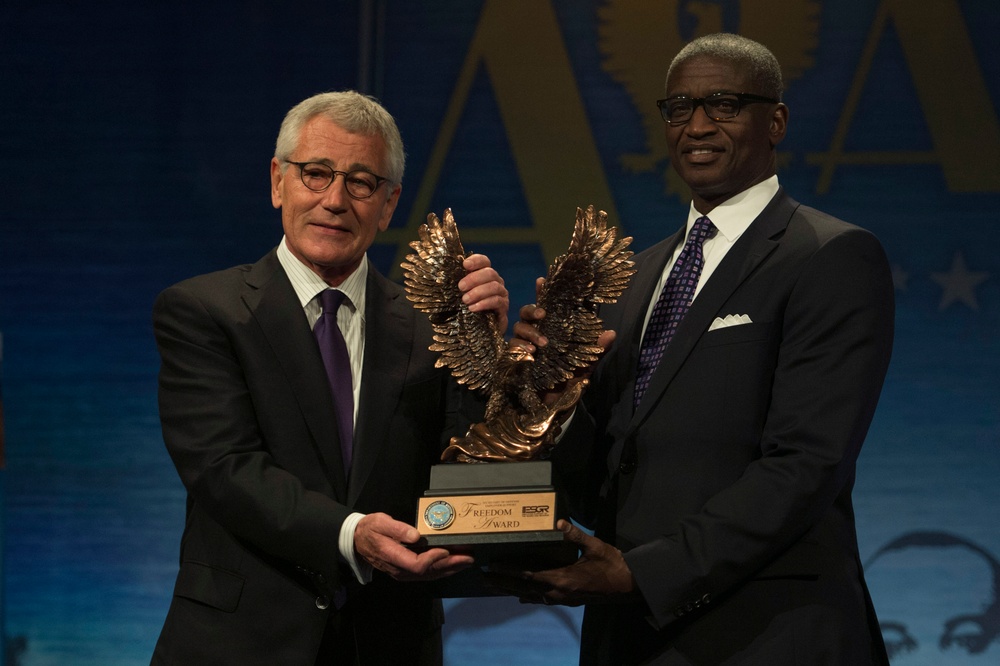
x=389, y=207
x=276, y=177
x=779, y=124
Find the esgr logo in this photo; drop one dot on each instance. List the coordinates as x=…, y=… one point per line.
x=535, y=511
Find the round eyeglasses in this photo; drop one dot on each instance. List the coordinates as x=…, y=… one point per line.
x=317, y=177
x=720, y=106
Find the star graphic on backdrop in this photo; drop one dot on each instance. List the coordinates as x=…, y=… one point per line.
x=959, y=284
x=899, y=277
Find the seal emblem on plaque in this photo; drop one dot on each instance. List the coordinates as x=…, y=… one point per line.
x=439, y=515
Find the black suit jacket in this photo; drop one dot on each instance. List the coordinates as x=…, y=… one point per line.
x=247, y=417
x=729, y=487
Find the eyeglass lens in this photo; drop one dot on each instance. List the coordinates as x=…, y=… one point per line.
x=719, y=107
x=317, y=177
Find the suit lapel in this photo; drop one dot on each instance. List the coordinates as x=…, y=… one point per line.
x=388, y=340
x=642, y=292
x=274, y=305
x=756, y=243
x=630, y=314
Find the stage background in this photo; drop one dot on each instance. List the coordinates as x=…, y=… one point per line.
x=134, y=143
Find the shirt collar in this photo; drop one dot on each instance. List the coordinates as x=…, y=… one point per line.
x=307, y=284
x=734, y=216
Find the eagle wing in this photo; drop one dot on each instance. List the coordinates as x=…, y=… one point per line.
x=469, y=343
x=793, y=39
x=596, y=269
x=632, y=36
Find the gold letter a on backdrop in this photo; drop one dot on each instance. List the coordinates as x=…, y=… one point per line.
x=952, y=93
x=522, y=49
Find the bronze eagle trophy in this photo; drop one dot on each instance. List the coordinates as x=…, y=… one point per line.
x=517, y=425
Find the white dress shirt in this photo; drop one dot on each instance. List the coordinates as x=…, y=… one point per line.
x=732, y=217
x=351, y=321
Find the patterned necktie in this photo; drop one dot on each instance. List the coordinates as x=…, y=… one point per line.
x=672, y=304
x=337, y=362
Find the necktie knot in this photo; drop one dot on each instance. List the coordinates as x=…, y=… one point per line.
x=331, y=300
x=701, y=230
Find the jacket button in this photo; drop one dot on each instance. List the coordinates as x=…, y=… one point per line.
x=322, y=603
x=626, y=466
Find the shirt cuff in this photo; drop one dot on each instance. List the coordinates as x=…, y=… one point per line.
x=564, y=426
x=362, y=570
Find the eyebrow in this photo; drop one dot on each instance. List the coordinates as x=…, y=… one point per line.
x=717, y=92
x=356, y=166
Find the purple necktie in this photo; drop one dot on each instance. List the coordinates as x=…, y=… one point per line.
x=672, y=305
x=333, y=349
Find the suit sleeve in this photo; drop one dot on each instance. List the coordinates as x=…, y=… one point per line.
x=836, y=337
x=212, y=432
x=578, y=463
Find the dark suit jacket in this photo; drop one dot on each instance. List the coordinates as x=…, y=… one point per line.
x=247, y=417
x=729, y=487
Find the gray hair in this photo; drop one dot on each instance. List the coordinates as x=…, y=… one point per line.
x=758, y=60
x=351, y=111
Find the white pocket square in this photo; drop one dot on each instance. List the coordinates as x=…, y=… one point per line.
x=729, y=320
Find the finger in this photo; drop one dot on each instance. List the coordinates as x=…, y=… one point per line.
x=478, y=301
x=404, y=564
x=446, y=566
x=478, y=272
x=521, y=342
x=380, y=540
x=528, y=336
x=479, y=277
x=490, y=291
x=576, y=535
x=542, y=581
x=377, y=533
x=606, y=339
x=531, y=313
x=526, y=328
x=394, y=529
x=569, y=529
x=497, y=305
x=455, y=562
x=476, y=261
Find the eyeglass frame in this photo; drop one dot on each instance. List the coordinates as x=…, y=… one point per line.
x=301, y=165
x=742, y=98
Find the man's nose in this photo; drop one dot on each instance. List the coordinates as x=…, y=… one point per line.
x=700, y=120
x=336, y=195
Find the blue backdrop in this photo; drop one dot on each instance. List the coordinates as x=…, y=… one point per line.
x=135, y=139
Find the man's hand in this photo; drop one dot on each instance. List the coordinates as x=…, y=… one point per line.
x=599, y=576
x=527, y=335
x=381, y=540
x=482, y=288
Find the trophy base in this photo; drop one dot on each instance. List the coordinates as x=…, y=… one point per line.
x=503, y=514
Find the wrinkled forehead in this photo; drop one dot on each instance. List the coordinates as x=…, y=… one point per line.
x=322, y=139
